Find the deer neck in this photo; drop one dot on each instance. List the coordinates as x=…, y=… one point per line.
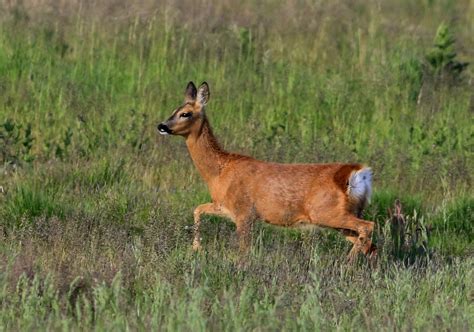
x=206, y=152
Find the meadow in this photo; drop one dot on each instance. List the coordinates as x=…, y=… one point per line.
x=96, y=207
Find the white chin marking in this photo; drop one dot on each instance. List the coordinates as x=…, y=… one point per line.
x=163, y=133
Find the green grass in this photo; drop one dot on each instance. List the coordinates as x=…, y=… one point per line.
x=95, y=207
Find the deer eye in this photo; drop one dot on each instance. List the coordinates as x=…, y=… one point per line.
x=185, y=115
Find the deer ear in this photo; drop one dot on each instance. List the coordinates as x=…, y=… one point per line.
x=203, y=93
x=191, y=92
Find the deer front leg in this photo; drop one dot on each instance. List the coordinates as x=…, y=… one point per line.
x=244, y=230
x=208, y=208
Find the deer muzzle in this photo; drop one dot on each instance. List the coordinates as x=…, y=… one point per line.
x=163, y=129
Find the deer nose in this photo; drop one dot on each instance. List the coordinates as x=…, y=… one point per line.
x=164, y=129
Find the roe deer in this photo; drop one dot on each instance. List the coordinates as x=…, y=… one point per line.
x=244, y=189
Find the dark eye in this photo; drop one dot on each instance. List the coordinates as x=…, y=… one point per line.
x=186, y=115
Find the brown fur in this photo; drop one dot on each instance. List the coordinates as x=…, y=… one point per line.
x=244, y=189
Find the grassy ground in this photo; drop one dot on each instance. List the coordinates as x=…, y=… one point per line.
x=95, y=208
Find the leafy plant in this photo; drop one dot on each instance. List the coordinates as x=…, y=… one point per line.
x=61, y=149
x=442, y=57
x=15, y=142
x=442, y=68
x=408, y=234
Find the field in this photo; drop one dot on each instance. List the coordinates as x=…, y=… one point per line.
x=96, y=207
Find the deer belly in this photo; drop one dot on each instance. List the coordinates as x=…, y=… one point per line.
x=280, y=213
x=305, y=225
x=278, y=204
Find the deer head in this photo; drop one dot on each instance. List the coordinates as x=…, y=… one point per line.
x=188, y=117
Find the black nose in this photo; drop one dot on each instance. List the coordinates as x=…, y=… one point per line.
x=164, y=129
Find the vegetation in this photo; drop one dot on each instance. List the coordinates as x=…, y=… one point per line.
x=96, y=208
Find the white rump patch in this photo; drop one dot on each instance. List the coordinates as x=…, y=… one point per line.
x=360, y=184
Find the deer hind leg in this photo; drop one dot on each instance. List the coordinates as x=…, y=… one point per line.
x=359, y=233
x=208, y=208
x=352, y=237
x=358, y=246
x=355, y=230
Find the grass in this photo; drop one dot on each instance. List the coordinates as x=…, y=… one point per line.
x=96, y=207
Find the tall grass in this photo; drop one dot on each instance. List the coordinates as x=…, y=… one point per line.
x=95, y=208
